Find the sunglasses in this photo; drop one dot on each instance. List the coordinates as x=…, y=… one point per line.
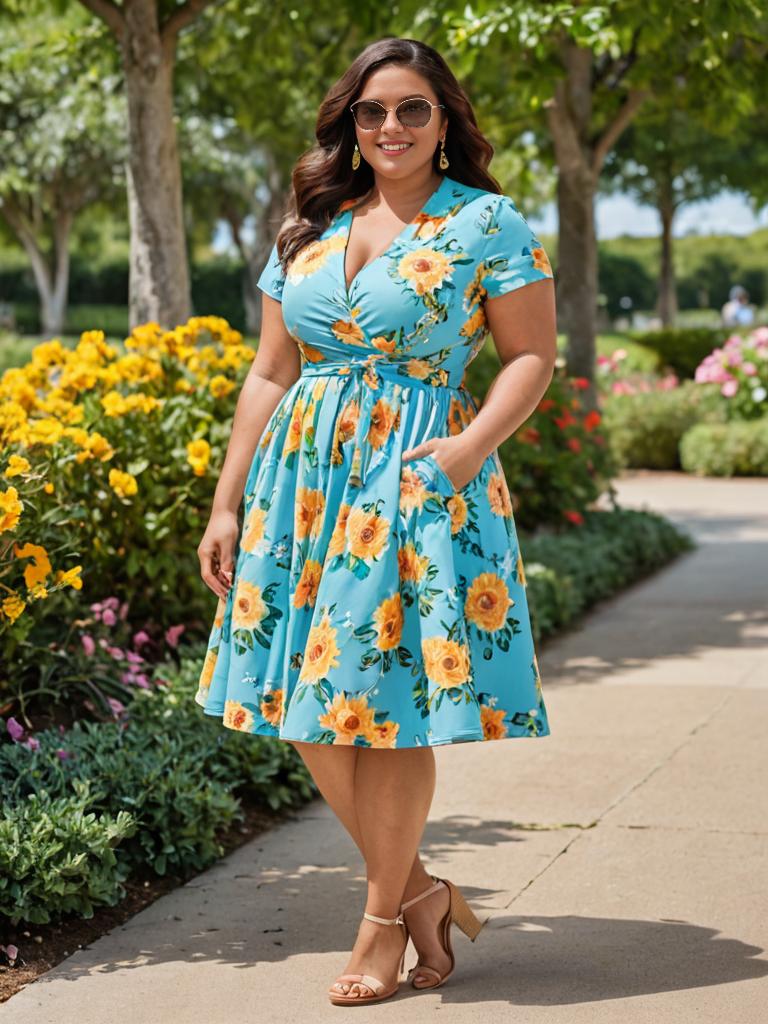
x=415, y=113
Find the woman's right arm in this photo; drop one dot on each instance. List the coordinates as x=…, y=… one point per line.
x=276, y=366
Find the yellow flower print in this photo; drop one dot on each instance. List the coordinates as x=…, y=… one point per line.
x=413, y=491
x=474, y=323
x=237, y=717
x=309, y=581
x=446, y=662
x=255, y=528
x=10, y=509
x=293, y=437
x=425, y=270
x=321, y=651
x=271, y=706
x=248, y=608
x=383, y=418
x=218, y=618
x=498, y=495
x=384, y=735
x=312, y=257
x=458, y=416
x=367, y=533
x=418, y=369
x=457, y=507
x=309, y=512
x=412, y=566
x=348, y=331
x=338, y=539
x=520, y=569
x=541, y=260
x=492, y=721
x=348, y=717
x=204, y=683
x=310, y=353
x=487, y=602
x=388, y=619
x=475, y=293
x=383, y=344
x=428, y=226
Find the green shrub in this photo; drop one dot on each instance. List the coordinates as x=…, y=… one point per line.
x=683, y=348
x=644, y=429
x=58, y=856
x=567, y=573
x=726, y=449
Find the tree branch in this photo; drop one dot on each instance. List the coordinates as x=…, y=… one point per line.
x=182, y=17
x=605, y=143
x=109, y=12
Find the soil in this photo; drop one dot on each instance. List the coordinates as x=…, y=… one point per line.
x=43, y=946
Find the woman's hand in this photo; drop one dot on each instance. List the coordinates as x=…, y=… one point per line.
x=216, y=551
x=459, y=460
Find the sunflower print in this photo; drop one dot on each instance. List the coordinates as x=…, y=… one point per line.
x=373, y=603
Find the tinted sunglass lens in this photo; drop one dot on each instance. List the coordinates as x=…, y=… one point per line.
x=369, y=115
x=414, y=113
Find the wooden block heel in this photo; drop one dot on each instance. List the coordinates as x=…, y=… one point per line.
x=462, y=913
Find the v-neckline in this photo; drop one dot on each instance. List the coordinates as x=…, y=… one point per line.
x=350, y=215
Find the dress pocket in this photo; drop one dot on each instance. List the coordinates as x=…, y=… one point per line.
x=442, y=475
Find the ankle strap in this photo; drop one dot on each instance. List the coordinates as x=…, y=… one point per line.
x=431, y=889
x=384, y=920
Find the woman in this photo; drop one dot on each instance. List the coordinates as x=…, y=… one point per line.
x=374, y=599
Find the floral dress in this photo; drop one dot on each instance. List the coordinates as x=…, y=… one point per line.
x=373, y=603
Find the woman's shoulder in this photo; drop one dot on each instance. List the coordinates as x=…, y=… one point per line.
x=483, y=212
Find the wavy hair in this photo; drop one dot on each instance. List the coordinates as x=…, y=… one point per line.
x=323, y=178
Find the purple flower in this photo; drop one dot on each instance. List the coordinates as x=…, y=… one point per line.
x=15, y=730
x=63, y=755
x=32, y=743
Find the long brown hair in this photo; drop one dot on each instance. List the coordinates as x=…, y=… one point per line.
x=323, y=177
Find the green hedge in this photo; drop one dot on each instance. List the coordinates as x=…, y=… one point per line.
x=154, y=790
x=682, y=348
x=726, y=449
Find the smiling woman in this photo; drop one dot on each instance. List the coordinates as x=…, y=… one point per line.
x=378, y=606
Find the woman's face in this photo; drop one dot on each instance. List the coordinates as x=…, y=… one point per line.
x=389, y=85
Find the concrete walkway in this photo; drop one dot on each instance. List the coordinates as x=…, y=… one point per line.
x=621, y=863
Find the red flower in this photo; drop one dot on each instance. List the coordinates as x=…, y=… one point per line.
x=592, y=419
x=574, y=444
x=565, y=420
x=580, y=382
x=573, y=516
x=545, y=403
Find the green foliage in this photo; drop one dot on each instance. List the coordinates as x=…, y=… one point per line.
x=726, y=449
x=57, y=856
x=682, y=349
x=157, y=787
x=568, y=572
x=644, y=429
x=558, y=462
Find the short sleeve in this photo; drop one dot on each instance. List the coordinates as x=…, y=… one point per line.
x=512, y=255
x=272, y=277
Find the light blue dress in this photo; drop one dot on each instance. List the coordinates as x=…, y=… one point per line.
x=373, y=603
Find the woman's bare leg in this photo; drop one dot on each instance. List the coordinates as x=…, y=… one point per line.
x=333, y=769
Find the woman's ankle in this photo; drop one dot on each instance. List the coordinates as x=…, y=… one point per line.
x=418, y=881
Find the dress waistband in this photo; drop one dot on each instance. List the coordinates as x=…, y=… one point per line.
x=389, y=369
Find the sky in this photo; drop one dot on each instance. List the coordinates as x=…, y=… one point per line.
x=728, y=214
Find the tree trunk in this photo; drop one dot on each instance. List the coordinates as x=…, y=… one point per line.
x=51, y=281
x=577, y=269
x=159, y=272
x=667, y=304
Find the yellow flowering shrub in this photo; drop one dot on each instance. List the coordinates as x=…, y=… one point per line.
x=108, y=461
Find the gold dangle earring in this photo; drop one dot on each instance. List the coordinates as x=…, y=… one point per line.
x=443, y=157
x=355, y=158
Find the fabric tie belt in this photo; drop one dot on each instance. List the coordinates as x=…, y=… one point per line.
x=390, y=369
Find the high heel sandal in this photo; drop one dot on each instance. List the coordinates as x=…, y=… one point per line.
x=380, y=991
x=458, y=911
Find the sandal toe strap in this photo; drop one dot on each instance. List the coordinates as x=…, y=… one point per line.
x=365, y=979
x=423, y=969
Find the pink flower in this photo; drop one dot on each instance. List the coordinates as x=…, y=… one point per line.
x=142, y=681
x=63, y=755
x=140, y=638
x=123, y=610
x=108, y=617
x=730, y=388
x=173, y=633
x=111, y=602
x=15, y=730
x=88, y=643
x=117, y=706
x=117, y=653
x=134, y=658
x=749, y=368
x=32, y=743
